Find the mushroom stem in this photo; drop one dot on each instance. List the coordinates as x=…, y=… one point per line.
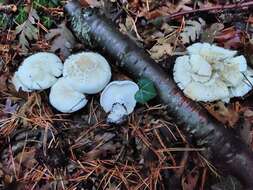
x=117, y=114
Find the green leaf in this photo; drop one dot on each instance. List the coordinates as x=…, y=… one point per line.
x=3, y=20
x=146, y=92
x=22, y=15
x=27, y=31
x=47, y=21
x=45, y=3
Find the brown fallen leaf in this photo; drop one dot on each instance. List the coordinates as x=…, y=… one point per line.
x=91, y=3
x=27, y=31
x=26, y=159
x=209, y=34
x=192, y=30
x=248, y=50
x=3, y=81
x=225, y=114
x=62, y=40
x=246, y=131
x=158, y=51
x=231, y=38
x=189, y=181
x=9, y=108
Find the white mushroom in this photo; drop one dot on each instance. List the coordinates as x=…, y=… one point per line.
x=18, y=84
x=245, y=85
x=210, y=52
x=211, y=73
x=87, y=72
x=182, y=71
x=200, y=68
x=37, y=72
x=118, y=100
x=212, y=90
x=64, y=98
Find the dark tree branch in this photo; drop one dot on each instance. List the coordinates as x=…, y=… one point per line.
x=168, y=18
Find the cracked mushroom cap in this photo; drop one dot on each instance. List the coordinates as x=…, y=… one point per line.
x=37, y=72
x=121, y=92
x=232, y=71
x=189, y=68
x=211, y=73
x=244, y=86
x=18, y=84
x=210, y=52
x=209, y=91
x=194, y=76
x=87, y=72
x=63, y=98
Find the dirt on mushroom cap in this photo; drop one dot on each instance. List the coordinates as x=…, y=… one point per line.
x=87, y=72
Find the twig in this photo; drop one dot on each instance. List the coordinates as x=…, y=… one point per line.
x=168, y=18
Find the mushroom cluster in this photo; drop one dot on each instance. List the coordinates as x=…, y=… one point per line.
x=209, y=73
x=82, y=73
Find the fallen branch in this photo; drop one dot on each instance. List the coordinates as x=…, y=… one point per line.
x=236, y=6
x=221, y=144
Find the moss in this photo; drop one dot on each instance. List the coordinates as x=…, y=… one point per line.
x=3, y=20
x=82, y=29
x=22, y=15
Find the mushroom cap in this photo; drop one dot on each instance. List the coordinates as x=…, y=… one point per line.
x=18, y=84
x=240, y=61
x=64, y=98
x=182, y=71
x=201, y=69
x=231, y=74
x=213, y=90
x=87, y=72
x=121, y=92
x=191, y=68
x=212, y=73
x=38, y=71
x=210, y=52
x=245, y=85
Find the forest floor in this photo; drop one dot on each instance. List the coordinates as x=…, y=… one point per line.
x=42, y=148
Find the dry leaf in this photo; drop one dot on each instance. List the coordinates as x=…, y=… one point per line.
x=248, y=50
x=163, y=46
x=247, y=132
x=209, y=34
x=189, y=182
x=62, y=39
x=27, y=31
x=227, y=115
x=9, y=108
x=158, y=51
x=231, y=38
x=3, y=81
x=168, y=8
x=192, y=30
x=26, y=158
x=91, y=3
